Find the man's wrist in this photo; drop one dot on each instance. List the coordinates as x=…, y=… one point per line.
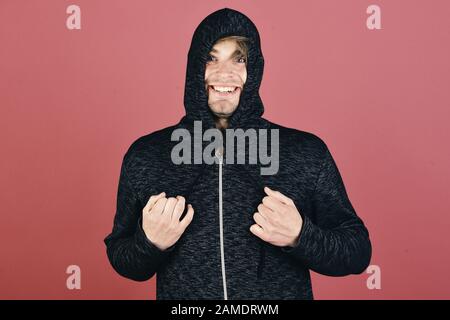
x=296, y=241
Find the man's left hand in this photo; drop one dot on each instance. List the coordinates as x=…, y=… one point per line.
x=277, y=221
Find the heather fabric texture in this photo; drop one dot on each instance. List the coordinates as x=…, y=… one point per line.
x=333, y=241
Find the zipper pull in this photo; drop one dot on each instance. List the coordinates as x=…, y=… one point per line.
x=219, y=155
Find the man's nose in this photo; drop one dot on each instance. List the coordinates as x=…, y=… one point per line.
x=225, y=68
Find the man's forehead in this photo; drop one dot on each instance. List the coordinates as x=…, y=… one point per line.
x=216, y=50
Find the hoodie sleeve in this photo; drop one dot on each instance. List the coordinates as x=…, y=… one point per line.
x=129, y=250
x=337, y=244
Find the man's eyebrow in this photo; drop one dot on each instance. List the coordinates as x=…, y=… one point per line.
x=237, y=52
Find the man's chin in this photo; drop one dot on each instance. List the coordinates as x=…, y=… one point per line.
x=223, y=112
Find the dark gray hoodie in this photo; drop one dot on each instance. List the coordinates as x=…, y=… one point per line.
x=217, y=257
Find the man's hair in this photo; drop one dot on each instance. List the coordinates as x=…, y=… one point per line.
x=241, y=43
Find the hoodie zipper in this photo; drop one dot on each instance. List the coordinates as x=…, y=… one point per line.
x=219, y=155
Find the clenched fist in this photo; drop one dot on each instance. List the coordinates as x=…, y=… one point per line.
x=277, y=221
x=161, y=219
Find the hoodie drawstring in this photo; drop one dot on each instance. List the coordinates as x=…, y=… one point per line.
x=262, y=256
x=262, y=244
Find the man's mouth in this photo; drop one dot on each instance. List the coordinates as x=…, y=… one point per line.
x=224, y=91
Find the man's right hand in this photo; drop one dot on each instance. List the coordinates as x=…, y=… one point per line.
x=161, y=219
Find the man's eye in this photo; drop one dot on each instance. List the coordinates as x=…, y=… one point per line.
x=241, y=60
x=210, y=58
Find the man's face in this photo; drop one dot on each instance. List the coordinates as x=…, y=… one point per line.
x=225, y=71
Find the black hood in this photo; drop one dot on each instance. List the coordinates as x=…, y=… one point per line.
x=219, y=24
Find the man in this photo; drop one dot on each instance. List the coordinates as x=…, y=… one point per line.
x=252, y=236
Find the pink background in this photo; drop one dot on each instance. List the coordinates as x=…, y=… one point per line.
x=72, y=101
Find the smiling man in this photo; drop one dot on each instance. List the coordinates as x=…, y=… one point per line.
x=252, y=236
x=225, y=76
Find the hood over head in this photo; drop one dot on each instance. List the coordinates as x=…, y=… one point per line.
x=219, y=24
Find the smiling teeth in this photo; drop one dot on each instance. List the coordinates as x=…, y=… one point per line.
x=224, y=89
